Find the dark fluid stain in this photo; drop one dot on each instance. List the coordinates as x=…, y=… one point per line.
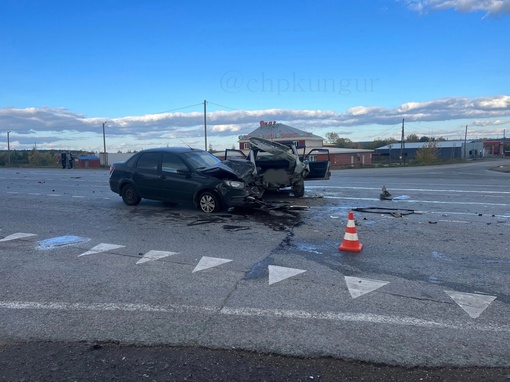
x=258, y=271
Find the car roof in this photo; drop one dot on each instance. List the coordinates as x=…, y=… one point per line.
x=172, y=149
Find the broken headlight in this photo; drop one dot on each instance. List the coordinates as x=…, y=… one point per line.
x=234, y=184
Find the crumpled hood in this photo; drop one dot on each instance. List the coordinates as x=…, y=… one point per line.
x=275, y=148
x=235, y=169
x=269, y=146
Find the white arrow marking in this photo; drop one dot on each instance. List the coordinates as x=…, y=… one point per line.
x=277, y=273
x=473, y=304
x=358, y=287
x=103, y=247
x=154, y=255
x=209, y=262
x=18, y=235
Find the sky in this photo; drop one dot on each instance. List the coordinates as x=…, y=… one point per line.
x=149, y=71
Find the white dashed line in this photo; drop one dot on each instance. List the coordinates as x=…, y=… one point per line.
x=367, y=318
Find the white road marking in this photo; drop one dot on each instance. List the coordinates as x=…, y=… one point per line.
x=102, y=307
x=18, y=235
x=473, y=304
x=78, y=196
x=34, y=193
x=414, y=201
x=153, y=255
x=277, y=273
x=103, y=247
x=53, y=195
x=448, y=191
x=358, y=287
x=367, y=318
x=209, y=262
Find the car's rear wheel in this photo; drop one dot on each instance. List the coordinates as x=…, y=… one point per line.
x=298, y=188
x=130, y=196
x=208, y=202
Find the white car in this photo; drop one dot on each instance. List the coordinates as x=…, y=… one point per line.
x=278, y=165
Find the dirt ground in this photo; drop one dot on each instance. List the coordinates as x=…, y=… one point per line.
x=82, y=361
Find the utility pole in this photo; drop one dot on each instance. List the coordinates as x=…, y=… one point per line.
x=8, y=148
x=205, y=124
x=465, y=143
x=402, y=144
x=105, y=159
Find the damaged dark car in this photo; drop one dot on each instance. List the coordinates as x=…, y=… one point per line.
x=183, y=174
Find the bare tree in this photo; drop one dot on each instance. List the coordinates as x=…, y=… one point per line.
x=428, y=154
x=332, y=137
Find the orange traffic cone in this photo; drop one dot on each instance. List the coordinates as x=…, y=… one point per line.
x=351, y=242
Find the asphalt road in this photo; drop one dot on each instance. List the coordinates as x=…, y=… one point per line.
x=430, y=287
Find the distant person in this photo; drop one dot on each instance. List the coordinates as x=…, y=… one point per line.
x=71, y=158
x=63, y=160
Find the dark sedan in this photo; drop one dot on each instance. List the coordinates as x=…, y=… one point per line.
x=182, y=174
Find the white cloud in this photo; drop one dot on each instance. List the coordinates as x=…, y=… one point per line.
x=360, y=110
x=226, y=128
x=59, y=128
x=490, y=7
x=496, y=122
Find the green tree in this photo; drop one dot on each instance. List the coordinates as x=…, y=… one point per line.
x=380, y=143
x=345, y=143
x=37, y=158
x=428, y=154
x=412, y=138
x=332, y=137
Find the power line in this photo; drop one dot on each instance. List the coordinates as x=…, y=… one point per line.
x=194, y=105
x=227, y=107
x=180, y=108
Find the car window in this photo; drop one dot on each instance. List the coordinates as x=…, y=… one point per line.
x=148, y=161
x=201, y=159
x=171, y=163
x=131, y=161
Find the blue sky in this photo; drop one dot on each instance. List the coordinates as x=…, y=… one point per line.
x=356, y=68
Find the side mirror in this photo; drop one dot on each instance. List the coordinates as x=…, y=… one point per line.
x=183, y=171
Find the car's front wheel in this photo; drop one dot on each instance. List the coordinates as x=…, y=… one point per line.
x=298, y=188
x=130, y=196
x=208, y=202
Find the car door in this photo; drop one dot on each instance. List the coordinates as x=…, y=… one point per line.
x=319, y=163
x=235, y=154
x=177, y=181
x=146, y=176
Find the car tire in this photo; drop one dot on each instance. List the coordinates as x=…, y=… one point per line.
x=130, y=196
x=208, y=202
x=298, y=188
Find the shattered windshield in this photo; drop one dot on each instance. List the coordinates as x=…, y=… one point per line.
x=200, y=159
